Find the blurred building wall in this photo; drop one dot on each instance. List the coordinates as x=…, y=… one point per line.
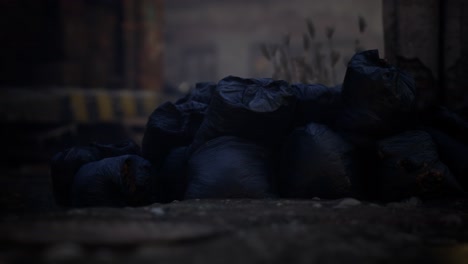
x=429, y=38
x=205, y=40
x=82, y=43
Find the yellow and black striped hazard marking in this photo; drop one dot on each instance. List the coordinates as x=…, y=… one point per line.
x=78, y=105
x=104, y=106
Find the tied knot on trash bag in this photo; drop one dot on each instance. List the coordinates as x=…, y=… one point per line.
x=372, y=83
x=260, y=110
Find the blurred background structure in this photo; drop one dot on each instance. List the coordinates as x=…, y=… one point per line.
x=208, y=40
x=88, y=44
x=72, y=70
x=78, y=71
x=430, y=39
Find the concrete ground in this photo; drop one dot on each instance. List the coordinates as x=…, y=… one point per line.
x=32, y=230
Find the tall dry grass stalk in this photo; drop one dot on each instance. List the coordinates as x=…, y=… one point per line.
x=311, y=65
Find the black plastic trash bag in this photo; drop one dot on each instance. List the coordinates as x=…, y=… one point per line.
x=202, y=92
x=64, y=165
x=230, y=167
x=378, y=98
x=372, y=83
x=410, y=166
x=316, y=162
x=172, y=176
x=453, y=153
x=447, y=121
x=169, y=126
x=256, y=109
x=117, y=181
x=128, y=147
x=362, y=127
x=316, y=103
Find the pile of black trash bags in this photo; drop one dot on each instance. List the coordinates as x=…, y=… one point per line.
x=264, y=138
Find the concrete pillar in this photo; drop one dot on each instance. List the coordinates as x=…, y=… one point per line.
x=429, y=38
x=143, y=43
